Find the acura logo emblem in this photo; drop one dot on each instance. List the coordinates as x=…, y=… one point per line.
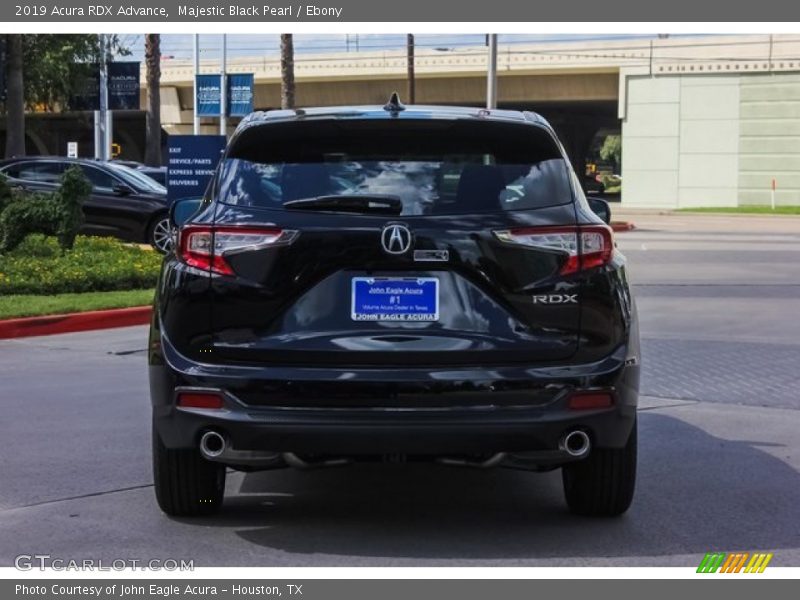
x=396, y=239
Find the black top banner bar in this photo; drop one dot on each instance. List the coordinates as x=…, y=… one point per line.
x=444, y=11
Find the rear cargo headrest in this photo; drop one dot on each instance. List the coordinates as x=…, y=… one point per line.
x=479, y=187
x=305, y=180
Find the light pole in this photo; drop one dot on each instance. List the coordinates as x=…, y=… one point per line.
x=102, y=116
x=491, y=75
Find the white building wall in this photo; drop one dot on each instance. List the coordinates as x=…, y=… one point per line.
x=709, y=147
x=651, y=142
x=680, y=137
x=770, y=138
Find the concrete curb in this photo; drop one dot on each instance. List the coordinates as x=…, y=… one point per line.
x=618, y=226
x=72, y=322
x=679, y=213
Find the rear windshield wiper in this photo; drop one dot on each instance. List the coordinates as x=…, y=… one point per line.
x=377, y=204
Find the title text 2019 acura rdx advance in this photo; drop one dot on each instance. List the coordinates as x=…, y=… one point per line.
x=368, y=283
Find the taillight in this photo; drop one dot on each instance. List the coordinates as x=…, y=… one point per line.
x=585, y=247
x=206, y=247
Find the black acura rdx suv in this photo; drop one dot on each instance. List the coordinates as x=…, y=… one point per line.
x=394, y=283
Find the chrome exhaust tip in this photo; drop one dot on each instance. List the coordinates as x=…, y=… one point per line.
x=212, y=445
x=576, y=443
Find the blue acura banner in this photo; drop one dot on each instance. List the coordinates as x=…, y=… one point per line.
x=123, y=86
x=240, y=94
x=209, y=95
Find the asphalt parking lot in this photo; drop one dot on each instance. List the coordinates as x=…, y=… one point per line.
x=719, y=302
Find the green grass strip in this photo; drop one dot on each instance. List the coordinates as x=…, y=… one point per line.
x=25, y=305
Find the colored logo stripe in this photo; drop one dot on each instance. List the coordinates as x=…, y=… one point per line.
x=733, y=562
x=711, y=562
x=758, y=563
x=741, y=562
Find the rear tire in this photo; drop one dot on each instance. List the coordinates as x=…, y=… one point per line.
x=602, y=484
x=186, y=484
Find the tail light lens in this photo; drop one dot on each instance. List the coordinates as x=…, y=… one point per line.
x=585, y=247
x=206, y=247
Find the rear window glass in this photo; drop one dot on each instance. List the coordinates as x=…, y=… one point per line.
x=433, y=167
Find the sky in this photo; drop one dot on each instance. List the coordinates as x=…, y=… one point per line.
x=179, y=46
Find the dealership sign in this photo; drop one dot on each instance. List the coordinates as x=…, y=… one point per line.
x=86, y=91
x=191, y=162
x=123, y=87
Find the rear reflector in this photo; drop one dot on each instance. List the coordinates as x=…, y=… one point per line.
x=200, y=400
x=590, y=400
x=584, y=247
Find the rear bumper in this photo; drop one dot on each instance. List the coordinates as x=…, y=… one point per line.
x=447, y=425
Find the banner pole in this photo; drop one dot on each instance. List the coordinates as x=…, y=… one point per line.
x=196, y=121
x=104, y=120
x=223, y=108
x=109, y=131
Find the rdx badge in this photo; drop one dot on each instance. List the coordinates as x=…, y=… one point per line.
x=556, y=299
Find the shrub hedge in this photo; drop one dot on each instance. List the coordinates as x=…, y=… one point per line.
x=95, y=264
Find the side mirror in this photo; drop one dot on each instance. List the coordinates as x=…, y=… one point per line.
x=120, y=189
x=182, y=210
x=601, y=208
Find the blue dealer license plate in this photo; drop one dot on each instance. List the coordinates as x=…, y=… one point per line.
x=395, y=299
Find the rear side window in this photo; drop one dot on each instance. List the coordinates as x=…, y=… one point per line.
x=432, y=166
x=40, y=172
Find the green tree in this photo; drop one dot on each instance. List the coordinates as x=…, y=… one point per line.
x=15, y=97
x=411, y=96
x=287, y=71
x=44, y=70
x=152, y=57
x=612, y=149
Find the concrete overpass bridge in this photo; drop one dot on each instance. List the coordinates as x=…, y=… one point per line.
x=575, y=86
x=705, y=120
